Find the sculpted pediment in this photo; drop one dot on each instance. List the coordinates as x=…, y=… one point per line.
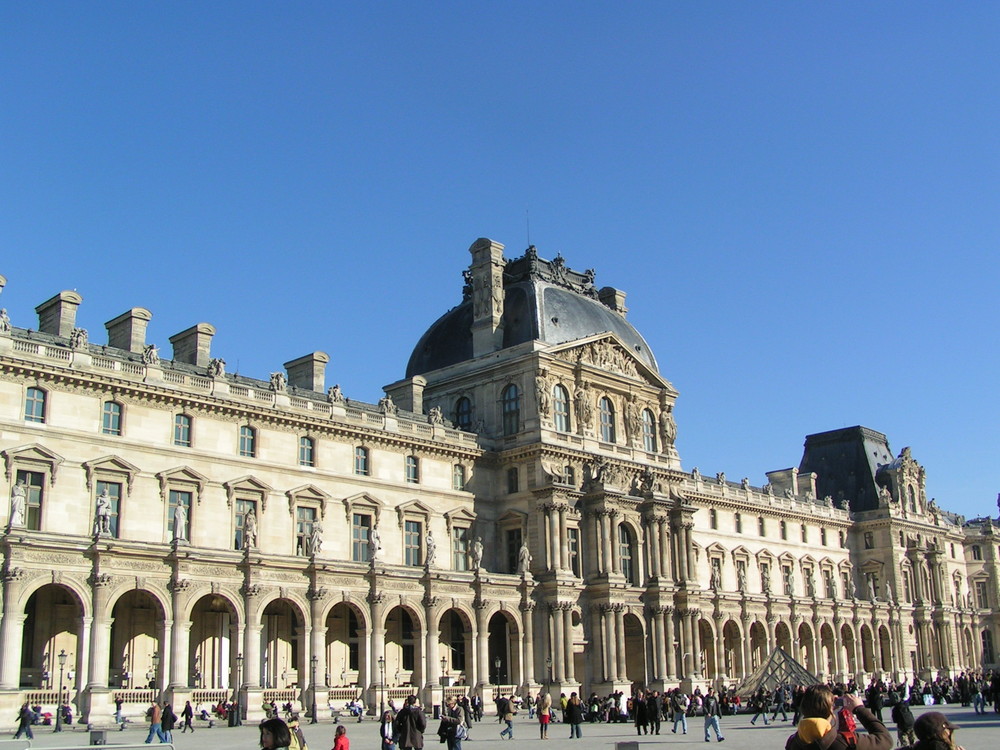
x=112, y=465
x=33, y=453
x=606, y=352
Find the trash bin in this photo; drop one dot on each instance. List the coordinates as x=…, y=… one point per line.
x=437, y=711
x=98, y=736
x=232, y=718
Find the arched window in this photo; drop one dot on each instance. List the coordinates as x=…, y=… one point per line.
x=248, y=441
x=361, y=466
x=307, y=451
x=625, y=553
x=34, y=405
x=648, y=431
x=912, y=497
x=607, y=410
x=510, y=401
x=182, y=430
x=112, y=418
x=463, y=414
x=560, y=409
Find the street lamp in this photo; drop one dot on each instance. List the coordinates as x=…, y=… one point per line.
x=155, y=670
x=62, y=665
x=314, y=661
x=496, y=663
x=381, y=685
x=237, y=699
x=444, y=670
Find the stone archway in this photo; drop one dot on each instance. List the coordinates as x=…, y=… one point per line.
x=850, y=648
x=706, y=644
x=806, y=654
x=137, y=623
x=783, y=638
x=214, y=642
x=345, y=644
x=53, y=619
x=635, y=650
x=502, y=650
x=455, y=644
x=282, y=648
x=828, y=649
x=758, y=645
x=867, y=649
x=403, y=650
x=733, y=646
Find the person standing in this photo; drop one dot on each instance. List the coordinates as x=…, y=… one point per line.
x=453, y=727
x=410, y=724
x=119, y=719
x=680, y=702
x=640, y=714
x=654, y=707
x=820, y=728
x=187, y=713
x=713, y=712
x=340, y=741
x=24, y=718
x=903, y=716
x=574, y=716
x=274, y=734
x=387, y=732
x=169, y=719
x=156, y=723
x=544, y=715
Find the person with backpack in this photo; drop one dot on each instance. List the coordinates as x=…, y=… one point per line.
x=410, y=725
x=680, y=702
x=826, y=727
x=761, y=702
x=903, y=717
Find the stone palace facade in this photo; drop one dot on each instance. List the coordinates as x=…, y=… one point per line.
x=512, y=513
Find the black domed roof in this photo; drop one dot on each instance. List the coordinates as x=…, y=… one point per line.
x=543, y=301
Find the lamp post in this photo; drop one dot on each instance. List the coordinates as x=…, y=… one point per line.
x=237, y=699
x=381, y=686
x=314, y=661
x=62, y=665
x=444, y=669
x=496, y=664
x=156, y=672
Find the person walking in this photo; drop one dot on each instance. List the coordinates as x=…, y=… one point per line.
x=761, y=702
x=508, y=710
x=156, y=724
x=640, y=714
x=387, y=732
x=574, y=716
x=680, y=702
x=780, y=699
x=453, y=727
x=119, y=719
x=24, y=718
x=653, y=710
x=544, y=715
x=187, y=713
x=903, y=717
x=168, y=721
x=410, y=725
x=713, y=712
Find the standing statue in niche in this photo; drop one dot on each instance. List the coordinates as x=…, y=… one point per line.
x=889, y=593
x=584, y=405
x=741, y=579
x=476, y=553
x=102, y=518
x=430, y=549
x=542, y=395
x=715, y=579
x=668, y=427
x=872, y=595
x=250, y=531
x=765, y=581
x=18, y=503
x=523, y=559
x=316, y=539
x=374, y=545
x=789, y=582
x=180, y=523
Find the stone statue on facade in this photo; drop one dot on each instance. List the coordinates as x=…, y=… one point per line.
x=180, y=523
x=584, y=405
x=435, y=416
x=334, y=395
x=476, y=553
x=741, y=579
x=316, y=539
x=884, y=497
x=78, y=338
x=543, y=397
x=102, y=516
x=889, y=594
x=216, y=367
x=4, y=321
x=668, y=427
x=374, y=545
x=18, y=504
x=387, y=406
x=150, y=355
x=250, y=530
x=745, y=483
x=278, y=382
x=715, y=579
x=789, y=582
x=633, y=421
x=523, y=559
x=872, y=594
x=430, y=549
x=765, y=581
x=721, y=477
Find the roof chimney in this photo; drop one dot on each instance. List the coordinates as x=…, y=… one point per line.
x=308, y=372
x=128, y=330
x=487, y=296
x=58, y=315
x=194, y=345
x=613, y=299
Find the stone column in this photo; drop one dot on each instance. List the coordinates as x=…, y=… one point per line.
x=551, y=524
x=11, y=630
x=687, y=644
x=164, y=631
x=745, y=647
x=528, y=644
x=610, y=642
x=720, y=649
x=563, y=538
x=659, y=652
x=680, y=540
x=100, y=634
x=616, y=552
x=605, y=526
x=482, y=644
x=838, y=640
x=663, y=527
x=692, y=574
x=180, y=635
x=771, y=635
x=376, y=604
x=668, y=624
x=620, y=642
x=567, y=618
x=317, y=639
x=556, y=640
x=251, y=639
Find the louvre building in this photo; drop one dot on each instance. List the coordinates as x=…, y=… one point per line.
x=512, y=513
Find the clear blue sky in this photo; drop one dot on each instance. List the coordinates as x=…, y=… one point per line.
x=800, y=199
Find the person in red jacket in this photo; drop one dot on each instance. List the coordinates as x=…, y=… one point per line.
x=821, y=729
x=340, y=741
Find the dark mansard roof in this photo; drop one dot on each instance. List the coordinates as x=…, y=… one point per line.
x=543, y=301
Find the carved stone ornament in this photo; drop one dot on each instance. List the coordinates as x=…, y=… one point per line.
x=78, y=338
x=608, y=357
x=250, y=590
x=179, y=585
x=316, y=593
x=101, y=580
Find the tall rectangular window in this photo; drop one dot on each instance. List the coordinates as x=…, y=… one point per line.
x=512, y=480
x=361, y=464
x=458, y=477
x=412, y=470
x=573, y=542
x=560, y=409
x=183, y=499
x=114, y=493
x=512, y=547
x=510, y=406
x=607, y=412
x=248, y=441
x=305, y=519
x=361, y=529
x=244, y=509
x=460, y=548
x=34, y=494
x=412, y=534
x=34, y=405
x=648, y=431
x=182, y=430
x=982, y=595
x=112, y=418
x=307, y=451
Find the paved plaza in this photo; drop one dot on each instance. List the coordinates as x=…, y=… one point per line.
x=980, y=732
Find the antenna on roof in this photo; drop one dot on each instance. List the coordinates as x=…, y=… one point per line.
x=527, y=226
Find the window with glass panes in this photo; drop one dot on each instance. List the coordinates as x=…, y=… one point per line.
x=34, y=405
x=34, y=493
x=248, y=441
x=512, y=480
x=182, y=430
x=458, y=477
x=510, y=404
x=513, y=548
x=361, y=467
x=573, y=542
x=412, y=535
x=982, y=595
x=460, y=548
x=625, y=552
x=607, y=411
x=361, y=529
x=307, y=451
x=179, y=498
x=412, y=470
x=648, y=431
x=463, y=414
x=244, y=508
x=112, y=418
x=560, y=409
x=305, y=519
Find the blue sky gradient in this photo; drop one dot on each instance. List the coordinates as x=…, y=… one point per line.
x=800, y=199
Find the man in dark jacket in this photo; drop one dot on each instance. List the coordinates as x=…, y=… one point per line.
x=818, y=728
x=410, y=724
